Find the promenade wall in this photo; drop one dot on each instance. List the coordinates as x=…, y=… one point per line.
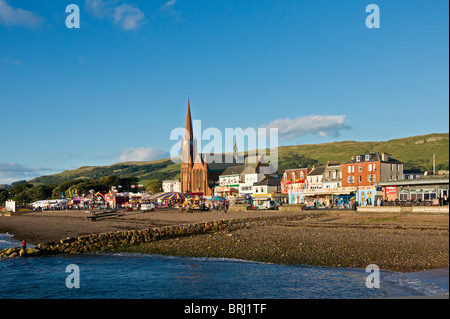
x=399, y=209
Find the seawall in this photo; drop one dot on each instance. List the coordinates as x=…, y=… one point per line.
x=399, y=209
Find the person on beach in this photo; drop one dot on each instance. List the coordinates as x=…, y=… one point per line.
x=24, y=245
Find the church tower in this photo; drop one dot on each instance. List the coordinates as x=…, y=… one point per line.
x=188, y=153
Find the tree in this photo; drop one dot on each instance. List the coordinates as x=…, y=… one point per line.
x=4, y=196
x=126, y=183
x=154, y=186
x=41, y=192
x=19, y=193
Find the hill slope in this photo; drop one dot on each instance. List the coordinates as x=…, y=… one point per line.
x=416, y=151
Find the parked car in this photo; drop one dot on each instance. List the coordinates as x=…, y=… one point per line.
x=148, y=206
x=267, y=205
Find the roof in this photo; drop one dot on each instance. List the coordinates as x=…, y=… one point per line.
x=317, y=171
x=234, y=170
x=373, y=157
x=225, y=161
x=269, y=182
x=416, y=182
x=413, y=171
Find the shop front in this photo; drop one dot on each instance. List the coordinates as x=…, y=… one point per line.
x=366, y=196
x=429, y=190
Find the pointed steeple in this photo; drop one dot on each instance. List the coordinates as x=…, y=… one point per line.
x=189, y=122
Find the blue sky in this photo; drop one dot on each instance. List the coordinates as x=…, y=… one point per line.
x=115, y=88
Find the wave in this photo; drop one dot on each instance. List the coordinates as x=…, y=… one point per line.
x=425, y=283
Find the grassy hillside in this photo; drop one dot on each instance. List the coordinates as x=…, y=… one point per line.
x=416, y=151
x=145, y=171
x=413, y=151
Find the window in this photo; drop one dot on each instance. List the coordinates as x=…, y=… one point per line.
x=360, y=178
x=285, y=176
x=373, y=179
x=358, y=158
x=370, y=167
x=360, y=168
x=374, y=167
x=367, y=157
x=370, y=178
x=302, y=175
x=334, y=174
x=349, y=179
x=293, y=176
x=327, y=176
x=353, y=179
x=349, y=169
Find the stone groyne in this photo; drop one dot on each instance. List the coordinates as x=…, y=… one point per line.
x=105, y=242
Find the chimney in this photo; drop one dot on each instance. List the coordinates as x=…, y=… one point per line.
x=384, y=157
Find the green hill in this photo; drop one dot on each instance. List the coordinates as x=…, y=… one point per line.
x=416, y=151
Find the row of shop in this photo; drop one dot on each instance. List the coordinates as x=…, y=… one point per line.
x=433, y=190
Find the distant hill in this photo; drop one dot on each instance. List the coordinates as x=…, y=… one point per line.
x=416, y=151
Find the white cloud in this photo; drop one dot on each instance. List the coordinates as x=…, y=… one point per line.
x=142, y=154
x=168, y=5
x=99, y=8
x=13, y=172
x=128, y=16
x=11, y=16
x=319, y=125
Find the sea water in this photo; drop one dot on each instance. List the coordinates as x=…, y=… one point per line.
x=140, y=276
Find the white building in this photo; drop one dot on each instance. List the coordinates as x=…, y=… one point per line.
x=171, y=185
x=250, y=180
x=315, y=178
x=267, y=186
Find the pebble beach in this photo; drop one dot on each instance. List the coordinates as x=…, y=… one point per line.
x=396, y=242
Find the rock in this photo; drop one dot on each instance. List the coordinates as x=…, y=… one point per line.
x=33, y=252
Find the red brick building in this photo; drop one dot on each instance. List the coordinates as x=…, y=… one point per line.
x=368, y=169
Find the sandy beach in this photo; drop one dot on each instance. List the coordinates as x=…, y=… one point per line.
x=398, y=242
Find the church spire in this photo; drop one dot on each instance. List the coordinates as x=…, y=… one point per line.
x=189, y=122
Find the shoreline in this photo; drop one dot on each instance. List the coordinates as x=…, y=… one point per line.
x=395, y=242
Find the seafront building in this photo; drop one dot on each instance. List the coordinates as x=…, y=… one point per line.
x=366, y=179
x=352, y=182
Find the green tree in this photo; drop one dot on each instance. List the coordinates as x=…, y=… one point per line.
x=41, y=192
x=154, y=186
x=19, y=193
x=4, y=196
